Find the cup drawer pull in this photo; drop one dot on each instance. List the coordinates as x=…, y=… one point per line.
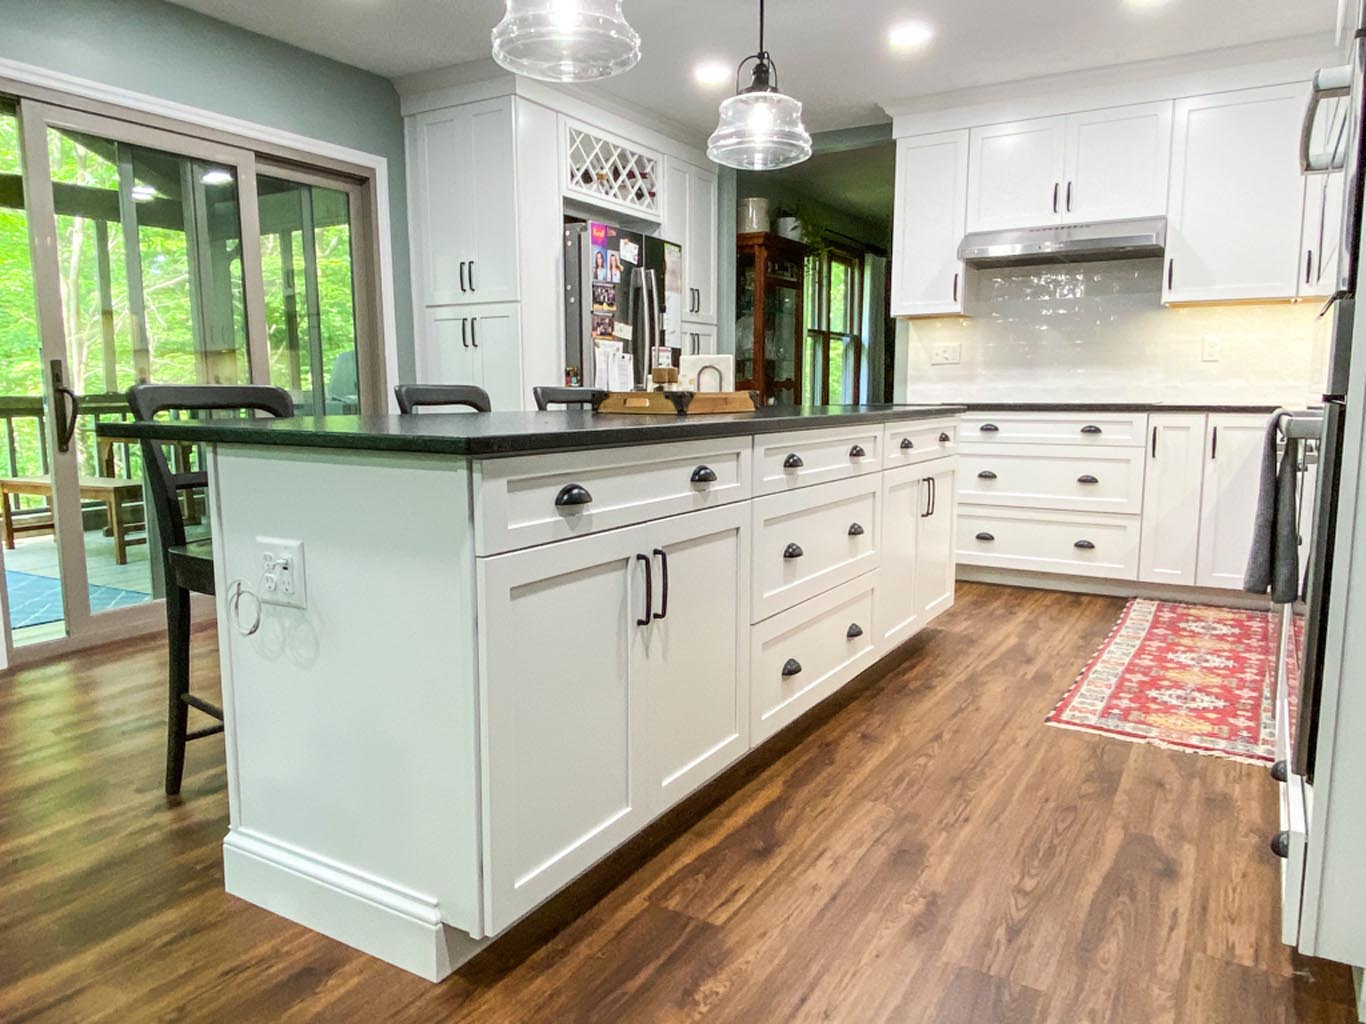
x=1091, y=428
x=988, y=428
x=791, y=667
x=986, y=474
x=857, y=452
x=1085, y=545
x=1087, y=478
x=793, y=551
x=703, y=475
x=985, y=536
x=854, y=631
x=907, y=444
x=944, y=438
x=793, y=461
x=571, y=495
x=856, y=529
x=1280, y=845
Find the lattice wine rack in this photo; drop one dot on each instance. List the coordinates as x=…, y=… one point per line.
x=608, y=170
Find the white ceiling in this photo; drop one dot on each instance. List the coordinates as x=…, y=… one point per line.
x=831, y=55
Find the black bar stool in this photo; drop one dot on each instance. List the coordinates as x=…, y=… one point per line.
x=570, y=398
x=187, y=566
x=414, y=396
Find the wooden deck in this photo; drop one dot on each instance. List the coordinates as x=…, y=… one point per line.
x=927, y=850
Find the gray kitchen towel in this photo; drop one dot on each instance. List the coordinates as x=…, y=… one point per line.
x=1273, y=562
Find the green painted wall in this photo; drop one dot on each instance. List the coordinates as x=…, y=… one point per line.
x=175, y=54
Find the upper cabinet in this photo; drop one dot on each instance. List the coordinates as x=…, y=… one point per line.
x=690, y=214
x=1236, y=205
x=931, y=201
x=464, y=205
x=1099, y=165
x=1321, y=235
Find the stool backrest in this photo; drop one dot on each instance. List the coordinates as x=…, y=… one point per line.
x=413, y=396
x=568, y=397
x=146, y=400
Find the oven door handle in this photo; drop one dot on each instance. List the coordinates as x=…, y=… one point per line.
x=1329, y=83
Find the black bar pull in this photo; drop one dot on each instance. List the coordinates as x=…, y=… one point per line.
x=1069, y=197
x=934, y=495
x=571, y=495
x=988, y=428
x=703, y=475
x=1085, y=545
x=1091, y=428
x=1055, y=197
x=793, y=551
x=1214, y=444
x=856, y=529
x=474, y=331
x=1308, y=264
x=907, y=444
x=925, y=513
x=68, y=407
x=857, y=452
x=649, y=589
x=955, y=286
x=472, y=285
x=985, y=536
x=464, y=332
x=793, y=461
x=663, y=557
x=1087, y=478
x=854, y=631
x=986, y=474
x=1154, y=442
x=791, y=667
x=1171, y=266
x=462, y=276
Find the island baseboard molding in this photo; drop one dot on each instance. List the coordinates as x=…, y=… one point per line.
x=396, y=925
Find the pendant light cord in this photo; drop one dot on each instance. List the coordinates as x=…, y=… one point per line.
x=761, y=26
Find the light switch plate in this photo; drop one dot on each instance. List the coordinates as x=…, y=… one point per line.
x=946, y=353
x=282, y=572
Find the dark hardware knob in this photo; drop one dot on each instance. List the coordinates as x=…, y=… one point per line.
x=988, y=428
x=572, y=494
x=986, y=474
x=943, y=438
x=649, y=589
x=793, y=551
x=1280, y=771
x=703, y=475
x=906, y=443
x=856, y=529
x=791, y=667
x=1087, y=478
x=857, y=452
x=1091, y=428
x=1280, y=842
x=1085, y=545
x=854, y=631
x=793, y=461
x=985, y=536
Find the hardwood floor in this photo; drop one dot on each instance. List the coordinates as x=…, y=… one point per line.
x=927, y=850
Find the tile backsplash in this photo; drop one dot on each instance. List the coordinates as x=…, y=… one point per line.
x=1099, y=332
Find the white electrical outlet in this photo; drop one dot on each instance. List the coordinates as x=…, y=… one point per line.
x=1212, y=350
x=946, y=353
x=282, y=572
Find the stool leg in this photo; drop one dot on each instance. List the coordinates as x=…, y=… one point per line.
x=116, y=531
x=178, y=675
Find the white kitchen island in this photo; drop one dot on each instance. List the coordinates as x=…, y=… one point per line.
x=505, y=642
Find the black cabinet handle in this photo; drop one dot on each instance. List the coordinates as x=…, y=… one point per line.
x=472, y=286
x=1055, y=197
x=1308, y=264
x=474, y=331
x=854, y=631
x=649, y=589
x=1087, y=478
x=462, y=276
x=703, y=475
x=571, y=495
x=1280, y=845
x=793, y=461
x=934, y=495
x=988, y=428
x=985, y=536
x=955, y=286
x=1154, y=442
x=1171, y=266
x=663, y=557
x=986, y=474
x=1091, y=428
x=857, y=452
x=791, y=667
x=1068, y=205
x=1214, y=444
x=944, y=438
x=856, y=529
x=793, y=551
x=464, y=332
x=1085, y=545
x=907, y=443
x=1280, y=771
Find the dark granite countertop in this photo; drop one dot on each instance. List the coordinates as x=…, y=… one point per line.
x=508, y=433
x=1113, y=407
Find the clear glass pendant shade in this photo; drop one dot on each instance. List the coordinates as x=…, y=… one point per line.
x=760, y=131
x=565, y=40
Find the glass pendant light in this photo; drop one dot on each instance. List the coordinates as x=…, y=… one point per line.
x=760, y=128
x=565, y=40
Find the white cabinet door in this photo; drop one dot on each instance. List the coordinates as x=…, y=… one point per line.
x=447, y=357
x=1228, y=499
x=441, y=180
x=476, y=345
x=693, y=678
x=1322, y=235
x=898, y=605
x=699, y=339
x=699, y=250
x=936, y=543
x=558, y=646
x=931, y=211
x=1017, y=174
x=1171, y=498
x=492, y=272
x=1236, y=198
x=1117, y=163
x=674, y=228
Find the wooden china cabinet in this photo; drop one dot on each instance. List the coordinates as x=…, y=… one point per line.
x=770, y=272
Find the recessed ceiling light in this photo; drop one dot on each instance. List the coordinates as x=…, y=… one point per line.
x=216, y=177
x=910, y=35
x=712, y=72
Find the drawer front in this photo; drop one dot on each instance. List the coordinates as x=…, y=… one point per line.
x=1099, y=429
x=1052, y=476
x=905, y=444
x=537, y=499
x=783, y=462
x=811, y=540
x=805, y=654
x=1036, y=541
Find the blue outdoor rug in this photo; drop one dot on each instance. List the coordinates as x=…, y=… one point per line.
x=34, y=600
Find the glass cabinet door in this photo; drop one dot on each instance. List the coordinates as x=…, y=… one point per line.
x=782, y=334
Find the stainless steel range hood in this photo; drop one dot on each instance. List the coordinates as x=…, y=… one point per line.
x=1066, y=243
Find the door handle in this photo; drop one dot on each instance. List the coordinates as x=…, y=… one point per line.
x=1171, y=266
x=1154, y=442
x=571, y=495
x=462, y=276
x=472, y=287
x=1308, y=264
x=793, y=551
x=703, y=475
x=1069, y=197
x=934, y=495
x=474, y=331
x=464, y=332
x=955, y=286
x=649, y=589
x=64, y=398
x=1055, y=197
x=1214, y=444
x=663, y=583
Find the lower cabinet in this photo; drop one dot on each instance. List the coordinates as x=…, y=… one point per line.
x=478, y=345
x=612, y=679
x=1228, y=497
x=1171, y=498
x=918, y=541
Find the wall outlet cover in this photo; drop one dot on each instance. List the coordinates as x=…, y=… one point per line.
x=282, y=579
x=946, y=353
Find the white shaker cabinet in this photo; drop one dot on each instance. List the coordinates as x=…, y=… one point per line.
x=918, y=560
x=1168, y=551
x=1117, y=162
x=475, y=345
x=1016, y=174
x=1228, y=500
x=690, y=219
x=935, y=559
x=930, y=220
x=1322, y=234
x=1235, y=204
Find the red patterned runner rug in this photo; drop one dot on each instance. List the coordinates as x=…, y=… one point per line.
x=1189, y=677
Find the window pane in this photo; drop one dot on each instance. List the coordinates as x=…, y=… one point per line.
x=839, y=297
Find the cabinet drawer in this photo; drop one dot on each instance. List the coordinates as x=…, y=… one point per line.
x=786, y=461
x=809, y=541
x=1067, y=542
x=805, y=654
x=1128, y=430
x=1052, y=476
x=905, y=444
x=537, y=499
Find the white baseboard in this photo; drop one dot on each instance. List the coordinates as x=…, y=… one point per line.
x=394, y=924
x=1110, y=588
